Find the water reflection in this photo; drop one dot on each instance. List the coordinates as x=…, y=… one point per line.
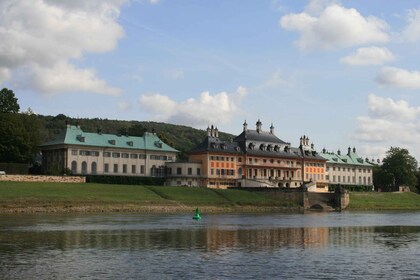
x=210, y=239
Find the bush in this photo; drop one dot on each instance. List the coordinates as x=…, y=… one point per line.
x=352, y=188
x=125, y=180
x=14, y=168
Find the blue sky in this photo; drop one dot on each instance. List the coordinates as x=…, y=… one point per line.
x=345, y=73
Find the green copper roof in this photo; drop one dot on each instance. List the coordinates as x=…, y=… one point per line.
x=73, y=135
x=350, y=158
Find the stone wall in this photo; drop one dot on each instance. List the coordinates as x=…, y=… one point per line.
x=37, y=178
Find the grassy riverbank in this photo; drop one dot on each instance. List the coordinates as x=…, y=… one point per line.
x=384, y=201
x=62, y=197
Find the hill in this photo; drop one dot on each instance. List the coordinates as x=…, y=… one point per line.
x=182, y=138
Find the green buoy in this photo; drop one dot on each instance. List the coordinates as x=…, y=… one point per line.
x=197, y=215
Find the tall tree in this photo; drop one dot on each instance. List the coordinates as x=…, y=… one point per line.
x=400, y=167
x=8, y=101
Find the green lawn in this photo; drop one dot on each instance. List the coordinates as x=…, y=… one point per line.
x=41, y=194
x=384, y=201
x=59, y=195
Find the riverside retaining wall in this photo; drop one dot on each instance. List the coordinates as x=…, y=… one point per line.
x=38, y=178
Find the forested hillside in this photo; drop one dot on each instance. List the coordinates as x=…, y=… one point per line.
x=182, y=138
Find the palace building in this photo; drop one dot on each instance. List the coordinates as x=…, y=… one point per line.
x=348, y=169
x=86, y=153
x=255, y=158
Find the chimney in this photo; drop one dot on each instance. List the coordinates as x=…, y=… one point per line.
x=208, y=131
x=354, y=150
x=312, y=146
x=301, y=141
x=245, y=126
x=271, y=129
x=349, y=151
x=212, y=131
x=216, y=133
x=324, y=151
x=339, y=152
x=259, y=126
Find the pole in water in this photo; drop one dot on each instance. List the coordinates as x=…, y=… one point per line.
x=197, y=215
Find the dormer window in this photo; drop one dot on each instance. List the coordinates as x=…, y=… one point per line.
x=130, y=143
x=112, y=142
x=81, y=138
x=262, y=147
x=158, y=144
x=251, y=146
x=276, y=148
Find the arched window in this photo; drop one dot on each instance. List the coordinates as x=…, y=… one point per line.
x=84, y=168
x=93, y=168
x=74, y=167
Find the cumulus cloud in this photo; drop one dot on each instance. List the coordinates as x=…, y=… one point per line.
x=219, y=108
x=328, y=26
x=398, y=77
x=44, y=36
x=369, y=56
x=412, y=31
x=389, y=123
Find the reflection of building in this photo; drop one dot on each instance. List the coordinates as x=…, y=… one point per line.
x=108, y=154
x=348, y=169
x=255, y=158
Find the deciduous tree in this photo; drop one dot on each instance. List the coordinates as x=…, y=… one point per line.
x=8, y=101
x=399, y=168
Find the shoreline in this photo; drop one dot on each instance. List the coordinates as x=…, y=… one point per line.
x=145, y=209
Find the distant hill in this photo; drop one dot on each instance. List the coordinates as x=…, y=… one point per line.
x=182, y=138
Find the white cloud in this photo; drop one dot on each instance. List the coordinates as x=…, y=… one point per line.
x=369, y=56
x=412, y=32
x=398, y=77
x=386, y=108
x=218, y=109
x=389, y=123
x=335, y=27
x=64, y=77
x=42, y=35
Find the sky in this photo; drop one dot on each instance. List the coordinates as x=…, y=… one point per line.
x=344, y=73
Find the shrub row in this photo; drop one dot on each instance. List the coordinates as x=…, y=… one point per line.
x=14, y=168
x=352, y=188
x=125, y=180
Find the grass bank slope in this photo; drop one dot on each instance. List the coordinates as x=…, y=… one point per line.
x=384, y=201
x=62, y=197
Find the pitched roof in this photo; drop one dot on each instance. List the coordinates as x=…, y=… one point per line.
x=350, y=158
x=73, y=135
x=262, y=136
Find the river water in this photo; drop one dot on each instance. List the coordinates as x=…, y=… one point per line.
x=219, y=246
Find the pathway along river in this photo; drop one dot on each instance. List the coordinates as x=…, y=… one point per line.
x=231, y=246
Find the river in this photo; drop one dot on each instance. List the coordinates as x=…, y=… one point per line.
x=343, y=245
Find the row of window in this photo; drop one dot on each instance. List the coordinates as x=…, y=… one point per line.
x=350, y=179
x=314, y=164
x=120, y=155
x=314, y=177
x=348, y=169
x=189, y=171
x=220, y=158
x=222, y=172
x=124, y=168
x=279, y=174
